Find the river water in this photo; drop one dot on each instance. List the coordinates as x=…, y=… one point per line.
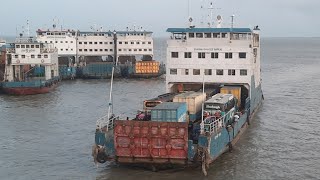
x=50, y=136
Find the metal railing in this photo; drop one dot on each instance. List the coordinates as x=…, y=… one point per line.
x=106, y=123
x=212, y=124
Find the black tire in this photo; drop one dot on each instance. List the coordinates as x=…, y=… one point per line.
x=101, y=157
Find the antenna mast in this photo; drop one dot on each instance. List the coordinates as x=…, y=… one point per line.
x=28, y=29
x=232, y=21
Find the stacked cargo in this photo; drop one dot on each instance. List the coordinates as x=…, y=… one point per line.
x=194, y=102
x=234, y=90
x=147, y=67
x=98, y=70
x=66, y=72
x=169, y=112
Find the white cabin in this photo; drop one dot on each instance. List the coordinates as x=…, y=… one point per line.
x=212, y=55
x=26, y=54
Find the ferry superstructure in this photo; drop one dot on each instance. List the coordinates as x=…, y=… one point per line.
x=22, y=58
x=98, y=43
x=214, y=56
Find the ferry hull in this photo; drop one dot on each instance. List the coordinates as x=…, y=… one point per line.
x=117, y=146
x=28, y=90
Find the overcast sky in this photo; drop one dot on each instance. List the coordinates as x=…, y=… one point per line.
x=276, y=18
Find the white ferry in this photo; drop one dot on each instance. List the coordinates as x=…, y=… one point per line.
x=31, y=67
x=213, y=82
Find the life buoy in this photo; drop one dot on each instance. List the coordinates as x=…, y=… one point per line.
x=101, y=157
x=18, y=61
x=42, y=61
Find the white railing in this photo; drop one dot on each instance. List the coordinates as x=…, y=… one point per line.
x=212, y=124
x=107, y=123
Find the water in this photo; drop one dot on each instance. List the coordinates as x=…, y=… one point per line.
x=50, y=136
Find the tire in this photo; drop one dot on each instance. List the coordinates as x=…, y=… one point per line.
x=101, y=157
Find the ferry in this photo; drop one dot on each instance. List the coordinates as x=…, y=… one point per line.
x=214, y=76
x=31, y=67
x=92, y=53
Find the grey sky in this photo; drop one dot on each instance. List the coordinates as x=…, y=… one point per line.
x=276, y=18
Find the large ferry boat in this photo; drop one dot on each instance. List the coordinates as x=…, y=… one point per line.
x=213, y=82
x=31, y=67
x=92, y=53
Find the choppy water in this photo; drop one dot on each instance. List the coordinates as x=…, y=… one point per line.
x=50, y=136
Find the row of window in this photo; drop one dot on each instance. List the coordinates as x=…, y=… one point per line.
x=96, y=50
x=32, y=56
x=27, y=46
x=120, y=42
x=66, y=49
x=219, y=72
x=214, y=55
x=208, y=35
x=58, y=42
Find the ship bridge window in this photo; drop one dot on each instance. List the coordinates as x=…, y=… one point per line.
x=39, y=55
x=234, y=36
x=175, y=54
x=27, y=46
x=219, y=72
x=208, y=72
x=85, y=50
x=187, y=55
x=95, y=42
x=149, y=42
x=216, y=35
x=132, y=42
x=138, y=42
x=61, y=41
x=191, y=35
x=214, y=55
x=32, y=56
x=105, y=49
x=37, y=46
x=111, y=50
x=85, y=42
x=80, y=50
x=32, y=46
x=125, y=42
x=228, y=55
x=224, y=35
x=23, y=46
x=90, y=50
x=150, y=49
x=100, y=42
x=231, y=72
x=16, y=56
x=185, y=71
x=111, y=43
x=173, y=71
x=143, y=42
x=207, y=35
x=56, y=41
x=199, y=35
x=80, y=42
x=23, y=56
x=17, y=46
x=196, y=72
x=90, y=42
x=95, y=50
x=201, y=55
x=242, y=55
x=243, y=72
